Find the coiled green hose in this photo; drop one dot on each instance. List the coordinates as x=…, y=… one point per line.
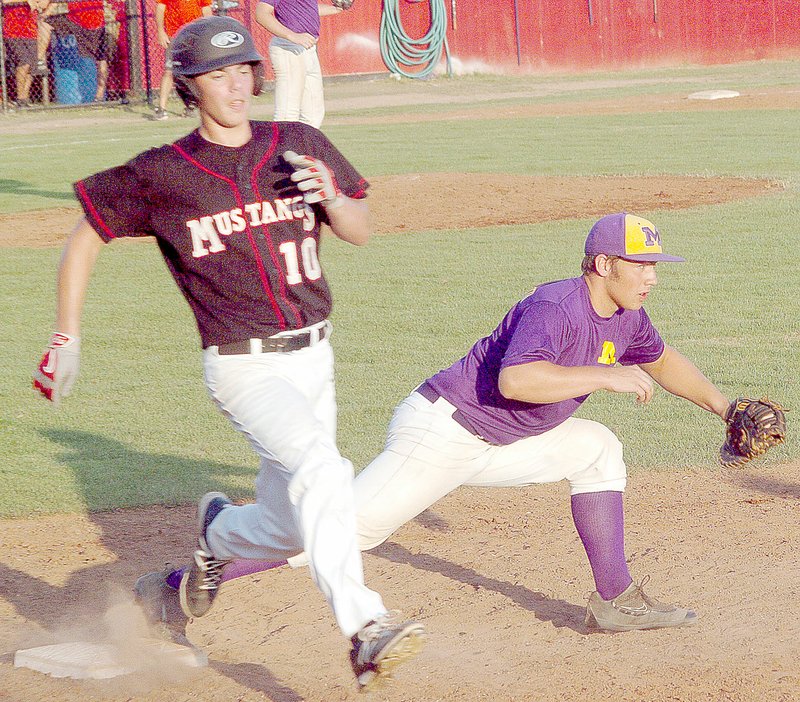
x=398, y=49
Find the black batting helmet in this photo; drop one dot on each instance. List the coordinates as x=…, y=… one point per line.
x=208, y=44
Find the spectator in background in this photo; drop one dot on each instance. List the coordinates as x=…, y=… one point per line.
x=87, y=21
x=171, y=15
x=26, y=37
x=42, y=9
x=295, y=26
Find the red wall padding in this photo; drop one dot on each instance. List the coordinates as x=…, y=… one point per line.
x=564, y=34
x=576, y=34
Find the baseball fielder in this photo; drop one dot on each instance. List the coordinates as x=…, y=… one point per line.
x=503, y=414
x=236, y=208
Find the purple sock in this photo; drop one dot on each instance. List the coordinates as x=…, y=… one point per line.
x=236, y=569
x=599, y=519
x=174, y=578
x=239, y=568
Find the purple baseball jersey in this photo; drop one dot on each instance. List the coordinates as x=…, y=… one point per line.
x=555, y=323
x=301, y=16
x=233, y=228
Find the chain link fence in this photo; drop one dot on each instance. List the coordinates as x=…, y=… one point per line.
x=82, y=52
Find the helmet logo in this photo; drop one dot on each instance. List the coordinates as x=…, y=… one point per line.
x=227, y=40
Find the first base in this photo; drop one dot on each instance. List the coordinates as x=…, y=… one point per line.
x=81, y=659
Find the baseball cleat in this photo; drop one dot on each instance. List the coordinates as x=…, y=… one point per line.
x=381, y=646
x=160, y=114
x=160, y=603
x=201, y=580
x=210, y=505
x=200, y=583
x=633, y=609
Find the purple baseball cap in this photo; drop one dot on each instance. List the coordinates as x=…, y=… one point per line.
x=628, y=236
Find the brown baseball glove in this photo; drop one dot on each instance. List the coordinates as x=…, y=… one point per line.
x=754, y=426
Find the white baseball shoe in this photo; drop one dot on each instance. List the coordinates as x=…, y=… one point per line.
x=633, y=609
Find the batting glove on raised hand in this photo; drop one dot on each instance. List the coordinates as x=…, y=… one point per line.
x=58, y=368
x=315, y=180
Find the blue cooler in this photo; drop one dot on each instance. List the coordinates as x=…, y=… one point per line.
x=75, y=75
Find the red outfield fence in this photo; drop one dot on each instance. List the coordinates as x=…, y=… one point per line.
x=514, y=36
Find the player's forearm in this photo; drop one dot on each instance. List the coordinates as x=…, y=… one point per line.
x=265, y=16
x=351, y=221
x=542, y=382
x=679, y=376
x=74, y=272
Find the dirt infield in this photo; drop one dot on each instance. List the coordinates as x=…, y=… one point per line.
x=506, y=200
x=498, y=576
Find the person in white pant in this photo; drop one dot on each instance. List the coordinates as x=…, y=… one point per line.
x=295, y=26
x=237, y=213
x=503, y=415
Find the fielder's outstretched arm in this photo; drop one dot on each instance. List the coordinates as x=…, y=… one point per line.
x=545, y=382
x=678, y=375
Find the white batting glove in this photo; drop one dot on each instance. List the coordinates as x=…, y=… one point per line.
x=58, y=368
x=315, y=180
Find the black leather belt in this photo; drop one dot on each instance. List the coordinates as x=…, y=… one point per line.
x=273, y=344
x=431, y=395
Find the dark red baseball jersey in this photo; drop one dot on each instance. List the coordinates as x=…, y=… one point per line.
x=233, y=228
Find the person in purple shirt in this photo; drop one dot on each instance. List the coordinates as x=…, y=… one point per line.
x=295, y=27
x=503, y=415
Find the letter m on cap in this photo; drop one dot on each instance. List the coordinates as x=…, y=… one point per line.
x=651, y=236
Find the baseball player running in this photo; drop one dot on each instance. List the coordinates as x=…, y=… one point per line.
x=503, y=414
x=236, y=208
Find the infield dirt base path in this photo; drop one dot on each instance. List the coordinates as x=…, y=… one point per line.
x=497, y=576
x=503, y=199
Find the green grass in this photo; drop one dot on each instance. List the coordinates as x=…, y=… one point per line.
x=140, y=429
x=38, y=164
x=750, y=143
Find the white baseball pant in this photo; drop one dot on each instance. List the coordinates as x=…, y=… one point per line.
x=298, y=86
x=428, y=454
x=284, y=403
